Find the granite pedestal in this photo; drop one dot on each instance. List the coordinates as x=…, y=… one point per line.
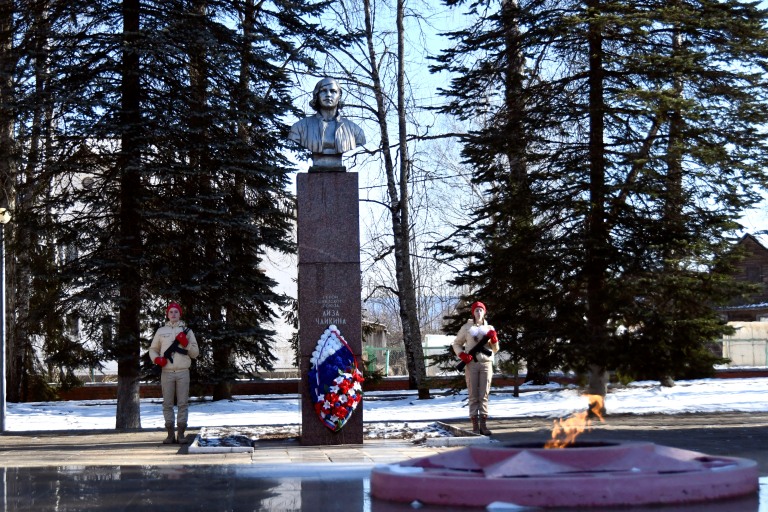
x=329, y=285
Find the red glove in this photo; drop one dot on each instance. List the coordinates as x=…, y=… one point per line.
x=492, y=336
x=161, y=361
x=465, y=357
x=183, y=341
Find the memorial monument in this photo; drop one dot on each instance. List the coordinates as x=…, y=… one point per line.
x=328, y=232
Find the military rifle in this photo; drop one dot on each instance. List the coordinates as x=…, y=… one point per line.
x=480, y=347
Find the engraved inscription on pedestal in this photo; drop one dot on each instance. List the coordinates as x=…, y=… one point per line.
x=330, y=306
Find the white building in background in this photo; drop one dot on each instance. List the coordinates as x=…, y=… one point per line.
x=283, y=268
x=435, y=344
x=748, y=346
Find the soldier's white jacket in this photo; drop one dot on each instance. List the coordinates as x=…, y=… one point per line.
x=470, y=335
x=163, y=339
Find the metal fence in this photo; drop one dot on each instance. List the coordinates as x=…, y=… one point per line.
x=391, y=362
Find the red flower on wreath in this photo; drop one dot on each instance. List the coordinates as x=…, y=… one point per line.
x=340, y=412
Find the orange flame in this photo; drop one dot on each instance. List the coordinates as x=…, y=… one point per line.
x=566, y=430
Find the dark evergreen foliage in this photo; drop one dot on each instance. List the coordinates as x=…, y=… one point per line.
x=610, y=254
x=209, y=198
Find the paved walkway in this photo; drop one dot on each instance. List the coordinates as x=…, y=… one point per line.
x=109, y=471
x=730, y=434
x=112, y=448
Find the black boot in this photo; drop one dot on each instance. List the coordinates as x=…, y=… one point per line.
x=171, y=434
x=475, y=425
x=180, y=434
x=483, y=428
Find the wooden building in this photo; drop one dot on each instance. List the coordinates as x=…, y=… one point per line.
x=754, y=269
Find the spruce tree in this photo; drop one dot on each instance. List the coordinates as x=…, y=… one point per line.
x=506, y=248
x=221, y=201
x=698, y=171
x=47, y=164
x=642, y=122
x=166, y=177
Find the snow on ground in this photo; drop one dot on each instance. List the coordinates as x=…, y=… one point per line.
x=552, y=401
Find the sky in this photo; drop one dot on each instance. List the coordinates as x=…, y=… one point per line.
x=555, y=401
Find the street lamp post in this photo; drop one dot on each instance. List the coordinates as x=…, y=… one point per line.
x=4, y=218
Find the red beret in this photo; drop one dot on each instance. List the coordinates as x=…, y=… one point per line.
x=172, y=305
x=477, y=305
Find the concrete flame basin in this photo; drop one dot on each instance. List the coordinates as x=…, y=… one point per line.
x=584, y=474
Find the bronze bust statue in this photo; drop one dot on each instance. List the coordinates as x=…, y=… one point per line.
x=327, y=134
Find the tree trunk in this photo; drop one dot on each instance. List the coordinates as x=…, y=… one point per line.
x=597, y=235
x=201, y=163
x=674, y=200
x=25, y=240
x=417, y=374
x=398, y=206
x=12, y=382
x=515, y=103
x=234, y=244
x=127, y=345
x=597, y=381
